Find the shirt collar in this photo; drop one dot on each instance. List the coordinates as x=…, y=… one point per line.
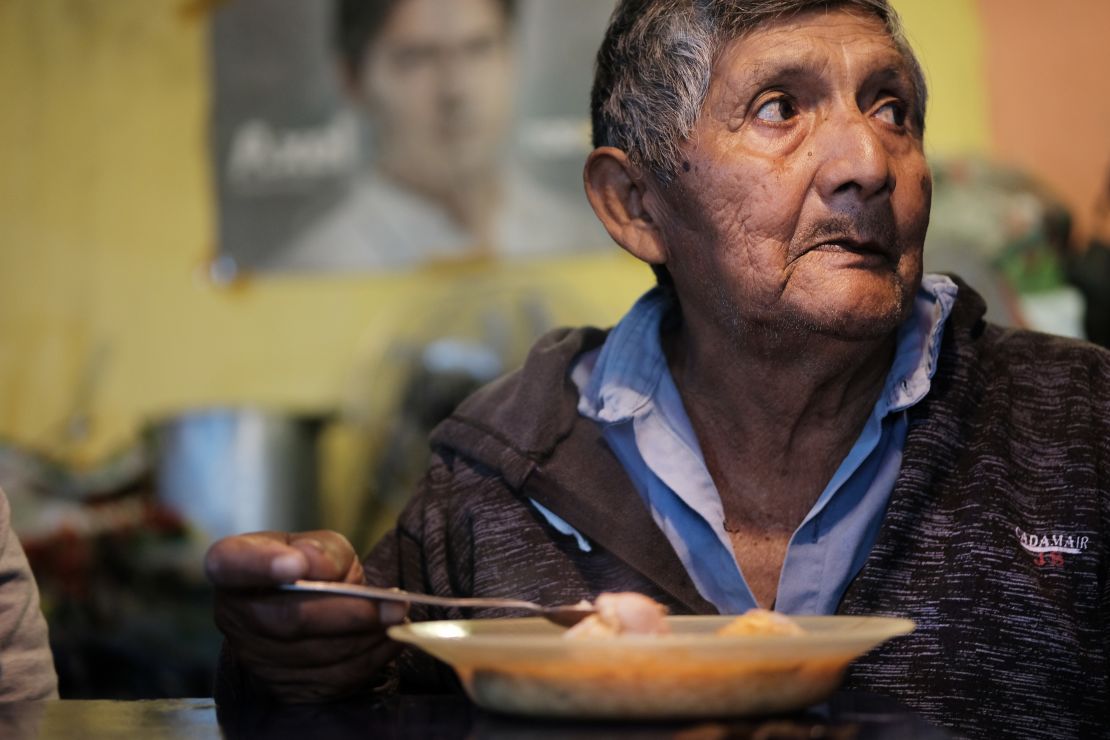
x=626, y=373
x=918, y=344
x=630, y=365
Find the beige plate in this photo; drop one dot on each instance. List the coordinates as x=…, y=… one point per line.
x=525, y=666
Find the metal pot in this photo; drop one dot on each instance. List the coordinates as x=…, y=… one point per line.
x=232, y=470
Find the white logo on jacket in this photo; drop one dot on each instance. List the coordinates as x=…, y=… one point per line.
x=1068, y=543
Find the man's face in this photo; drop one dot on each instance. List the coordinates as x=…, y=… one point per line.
x=804, y=196
x=436, y=82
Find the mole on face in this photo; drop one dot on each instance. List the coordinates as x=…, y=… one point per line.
x=686, y=166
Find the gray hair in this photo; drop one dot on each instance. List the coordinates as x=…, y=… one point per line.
x=654, y=66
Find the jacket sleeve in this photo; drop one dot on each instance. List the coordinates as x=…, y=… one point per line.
x=416, y=556
x=26, y=663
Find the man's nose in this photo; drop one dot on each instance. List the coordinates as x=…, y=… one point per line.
x=854, y=162
x=455, y=77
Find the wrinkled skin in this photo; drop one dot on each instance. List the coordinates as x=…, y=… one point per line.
x=803, y=200
x=301, y=648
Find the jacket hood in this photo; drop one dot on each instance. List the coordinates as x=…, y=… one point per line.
x=515, y=422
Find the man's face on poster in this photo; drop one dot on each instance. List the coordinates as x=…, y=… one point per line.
x=436, y=82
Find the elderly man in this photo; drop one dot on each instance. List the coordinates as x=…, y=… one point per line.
x=794, y=418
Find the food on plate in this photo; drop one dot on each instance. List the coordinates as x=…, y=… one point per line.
x=631, y=613
x=622, y=614
x=525, y=666
x=761, y=622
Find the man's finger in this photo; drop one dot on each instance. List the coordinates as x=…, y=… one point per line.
x=261, y=559
x=254, y=560
x=290, y=616
x=329, y=556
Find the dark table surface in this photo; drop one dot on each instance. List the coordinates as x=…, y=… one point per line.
x=844, y=717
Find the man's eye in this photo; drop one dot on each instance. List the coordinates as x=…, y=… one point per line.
x=779, y=109
x=481, y=46
x=409, y=58
x=892, y=112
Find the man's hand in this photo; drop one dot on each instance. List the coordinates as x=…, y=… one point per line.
x=301, y=647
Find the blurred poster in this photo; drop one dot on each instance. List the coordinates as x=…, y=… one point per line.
x=376, y=135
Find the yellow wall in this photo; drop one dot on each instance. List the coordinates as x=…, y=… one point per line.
x=947, y=36
x=106, y=223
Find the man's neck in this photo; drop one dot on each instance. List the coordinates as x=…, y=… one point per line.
x=775, y=414
x=792, y=379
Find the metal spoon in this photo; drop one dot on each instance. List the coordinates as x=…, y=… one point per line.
x=565, y=616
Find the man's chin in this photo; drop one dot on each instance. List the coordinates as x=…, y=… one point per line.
x=858, y=323
x=856, y=330
x=866, y=308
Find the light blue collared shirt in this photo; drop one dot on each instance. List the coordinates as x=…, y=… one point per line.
x=627, y=388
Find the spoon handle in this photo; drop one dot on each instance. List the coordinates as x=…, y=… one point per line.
x=396, y=594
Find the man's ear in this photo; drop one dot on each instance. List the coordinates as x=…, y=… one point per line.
x=618, y=193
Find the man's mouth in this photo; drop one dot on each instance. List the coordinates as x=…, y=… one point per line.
x=852, y=245
x=870, y=236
